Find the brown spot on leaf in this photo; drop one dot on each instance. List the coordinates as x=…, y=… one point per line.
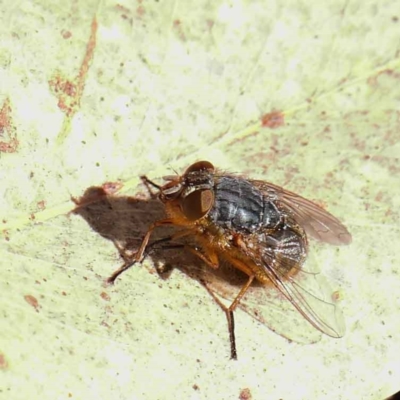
x=69, y=91
x=66, y=34
x=33, y=301
x=273, y=120
x=111, y=187
x=105, y=296
x=41, y=205
x=245, y=394
x=178, y=28
x=140, y=11
x=8, y=134
x=3, y=362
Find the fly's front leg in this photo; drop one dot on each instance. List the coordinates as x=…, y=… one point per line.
x=138, y=256
x=147, y=182
x=126, y=265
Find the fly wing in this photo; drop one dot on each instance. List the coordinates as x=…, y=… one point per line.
x=281, y=256
x=316, y=221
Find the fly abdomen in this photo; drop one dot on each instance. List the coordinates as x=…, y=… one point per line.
x=240, y=206
x=284, y=248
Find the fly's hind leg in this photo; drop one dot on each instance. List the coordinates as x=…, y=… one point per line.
x=229, y=310
x=212, y=261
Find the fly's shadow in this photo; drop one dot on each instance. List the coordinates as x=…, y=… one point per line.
x=124, y=220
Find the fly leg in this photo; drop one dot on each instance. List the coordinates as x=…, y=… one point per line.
x=139, y=255
x=142, y=253
x=212, y=260
x=147, y=182
x=126, y=265
x=230, y=319
x=230, y=310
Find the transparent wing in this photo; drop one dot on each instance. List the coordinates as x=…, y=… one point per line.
x=313, y=298
x=294, y=291
x=271, y=308
x=281, y=256
x=316, y=221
